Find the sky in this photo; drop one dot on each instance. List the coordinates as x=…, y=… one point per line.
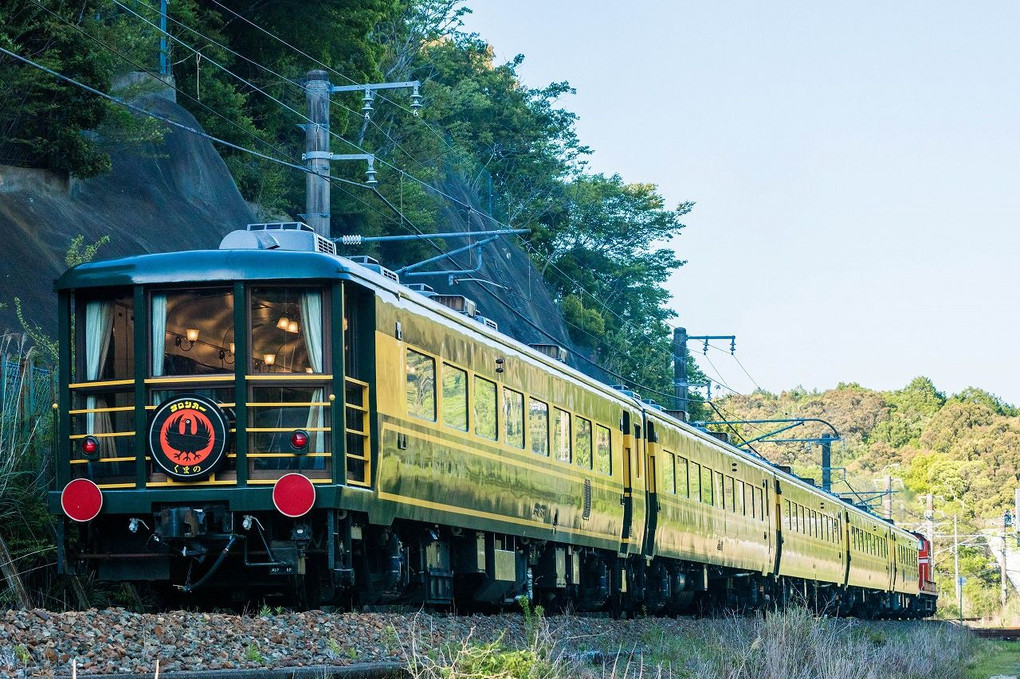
x=855, y=168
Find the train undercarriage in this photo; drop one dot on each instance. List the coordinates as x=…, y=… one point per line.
x=215, y=557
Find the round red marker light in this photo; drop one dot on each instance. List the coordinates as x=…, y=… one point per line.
x=294, y=495
x=81, y=500
x=299, y=439
x=90, y=446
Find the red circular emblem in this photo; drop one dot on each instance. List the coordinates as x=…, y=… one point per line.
x=188, y=436
x=294, y=495
x=81, y=500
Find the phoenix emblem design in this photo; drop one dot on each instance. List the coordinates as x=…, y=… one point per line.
x=186, y=435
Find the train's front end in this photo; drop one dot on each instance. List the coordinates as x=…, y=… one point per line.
x=200, y=399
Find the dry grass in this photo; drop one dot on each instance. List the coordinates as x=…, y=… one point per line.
x=788, y=645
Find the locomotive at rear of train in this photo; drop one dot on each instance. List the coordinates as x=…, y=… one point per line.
x=270, y=419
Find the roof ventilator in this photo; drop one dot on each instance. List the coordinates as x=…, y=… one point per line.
x=553, y=351
x=294, y=236
x=373, y=264
x=458, y=303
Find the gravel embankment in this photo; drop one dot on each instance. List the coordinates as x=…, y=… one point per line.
x=116, y=641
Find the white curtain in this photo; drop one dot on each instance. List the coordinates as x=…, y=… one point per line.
x=158, y=342
x=311, y=329
x=98, y=332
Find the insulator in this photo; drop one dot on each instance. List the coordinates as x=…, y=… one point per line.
x=354, y=239
x=415, y=101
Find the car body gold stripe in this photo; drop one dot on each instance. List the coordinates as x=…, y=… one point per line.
x=189, y=379
x=107, y=383
x=492, y=516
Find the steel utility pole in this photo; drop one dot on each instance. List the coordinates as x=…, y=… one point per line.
x=680, y=383
x=680, y=370
x=827, y=462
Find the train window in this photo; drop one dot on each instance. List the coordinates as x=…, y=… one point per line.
x=561, y=435
x=485, y=408
x=582, y=447
x=513, y=417
x=741, y=500
x=695, y=480
x=421, y=385
x=538, y=427
x=803, y=519
x=789, y=516
x=603, y=451
x=719, y=489
x=192, y=332
x=286, y=330
x=682, y=483
x=108, y=349
x=668, y=474
x=706, y=485
x=752, y=494
x=455, y=397
x=729, y=493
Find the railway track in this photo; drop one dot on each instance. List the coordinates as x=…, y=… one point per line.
x=384, y=670
x=998, y=633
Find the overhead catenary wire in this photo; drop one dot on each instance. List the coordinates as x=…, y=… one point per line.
x=401, y=172
x=192, y=130
x=333, y=181
x=404, y=174
x=319, y=63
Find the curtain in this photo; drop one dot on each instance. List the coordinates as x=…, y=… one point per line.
x=158, y=342
x=98, y=332
x=311, y=330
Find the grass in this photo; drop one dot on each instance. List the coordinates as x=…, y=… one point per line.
x=995, y=658
x=788, y=645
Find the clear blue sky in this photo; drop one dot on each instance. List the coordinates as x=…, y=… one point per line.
x=856, y=168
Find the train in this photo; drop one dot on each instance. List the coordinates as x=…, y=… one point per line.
x=272, y=419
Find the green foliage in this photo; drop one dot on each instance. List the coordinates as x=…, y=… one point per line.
x=79, y=253
x=44, y=120
x=252, y=653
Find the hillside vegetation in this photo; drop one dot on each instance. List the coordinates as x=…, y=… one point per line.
x=964, y=449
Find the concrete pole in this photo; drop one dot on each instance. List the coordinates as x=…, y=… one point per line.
x=1002, y=571
x=317, y=90
x=826, y=463
x=680, y=370
x=956, y=567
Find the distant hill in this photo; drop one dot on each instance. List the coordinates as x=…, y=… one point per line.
x=963, y=448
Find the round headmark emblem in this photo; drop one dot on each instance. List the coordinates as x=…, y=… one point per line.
x=188, y=437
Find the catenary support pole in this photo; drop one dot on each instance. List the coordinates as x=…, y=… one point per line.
x=680, y=370
x=956, y=567
x=827, y=462
x=317, y=88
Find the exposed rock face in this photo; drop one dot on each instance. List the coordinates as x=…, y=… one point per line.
x=177, y=195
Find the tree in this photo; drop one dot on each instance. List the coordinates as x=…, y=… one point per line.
x=44, y=121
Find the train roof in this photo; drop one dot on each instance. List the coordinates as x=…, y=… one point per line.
x=196, y=266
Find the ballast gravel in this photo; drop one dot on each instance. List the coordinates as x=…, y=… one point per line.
x=118, y=641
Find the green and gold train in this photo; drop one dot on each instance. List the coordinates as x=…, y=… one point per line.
x=272, y=419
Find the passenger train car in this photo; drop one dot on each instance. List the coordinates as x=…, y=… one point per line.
x=271, y=418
